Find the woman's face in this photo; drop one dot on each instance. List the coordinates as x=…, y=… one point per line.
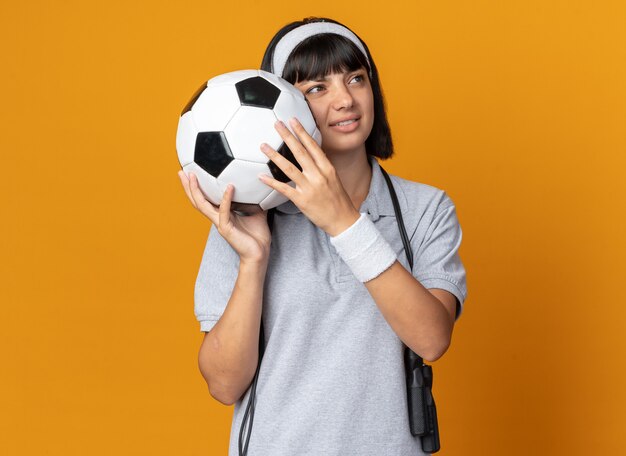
x=343, y=107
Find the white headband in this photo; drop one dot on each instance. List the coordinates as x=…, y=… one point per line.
x=288, y=42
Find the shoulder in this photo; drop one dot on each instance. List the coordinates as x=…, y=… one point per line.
x=418, y=198
x=422, y=205
x=218, y=251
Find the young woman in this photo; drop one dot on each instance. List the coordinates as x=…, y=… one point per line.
x=331, y=282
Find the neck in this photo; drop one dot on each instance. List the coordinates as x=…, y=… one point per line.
x=355, y=174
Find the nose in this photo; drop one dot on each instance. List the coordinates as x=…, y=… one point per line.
x=343, y=98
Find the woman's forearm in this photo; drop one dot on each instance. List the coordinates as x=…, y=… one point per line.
x=419, y=319
x=228, y=355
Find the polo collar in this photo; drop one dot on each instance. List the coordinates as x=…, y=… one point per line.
x=378, y=201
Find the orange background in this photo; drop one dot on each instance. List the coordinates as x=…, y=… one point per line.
x=516, y=109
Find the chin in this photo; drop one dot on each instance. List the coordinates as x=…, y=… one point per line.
x=341, y=146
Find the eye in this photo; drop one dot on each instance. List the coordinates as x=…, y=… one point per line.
x=314, y=89
x=359, y=77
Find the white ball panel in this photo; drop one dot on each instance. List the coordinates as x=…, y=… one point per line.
x=317, y=136
x=288, y=106
x=282, y=84
x=250, y=127
x=186, y=139
x=244, y=176
x=215, y=107
x=275, y=198
x=233, y=77
x=208, y=184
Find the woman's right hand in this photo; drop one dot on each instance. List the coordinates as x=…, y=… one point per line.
x=249, y=236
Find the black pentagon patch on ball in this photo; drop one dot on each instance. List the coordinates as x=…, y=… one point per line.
x=245, y=208
x=257, y=91
x=212, y=152
x=278, y=173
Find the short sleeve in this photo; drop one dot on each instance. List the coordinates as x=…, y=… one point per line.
x=215, y=281
x=437, y=263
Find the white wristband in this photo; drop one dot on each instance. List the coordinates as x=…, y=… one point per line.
x=364, y=250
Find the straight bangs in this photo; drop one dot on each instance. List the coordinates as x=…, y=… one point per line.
x=323, y=54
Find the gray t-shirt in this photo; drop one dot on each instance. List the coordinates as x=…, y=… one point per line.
x=332, y=379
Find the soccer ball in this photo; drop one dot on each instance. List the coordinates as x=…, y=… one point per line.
x=221, y=129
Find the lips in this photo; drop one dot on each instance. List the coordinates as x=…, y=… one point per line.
x=346, y=119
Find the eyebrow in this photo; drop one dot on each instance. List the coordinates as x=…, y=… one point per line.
x=325, y=78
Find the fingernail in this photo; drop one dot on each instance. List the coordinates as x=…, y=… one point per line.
x=280, y=122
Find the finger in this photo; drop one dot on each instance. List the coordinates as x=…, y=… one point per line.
x=279, y=186
x=300, y=151
x=202, y=204
x=315, y=151
x=185, y=181
x=224, y=209
x=290, y=170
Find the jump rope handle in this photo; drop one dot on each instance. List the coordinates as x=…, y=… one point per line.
x=419, y=376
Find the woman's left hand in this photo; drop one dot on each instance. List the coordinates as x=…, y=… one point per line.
x=319, y=193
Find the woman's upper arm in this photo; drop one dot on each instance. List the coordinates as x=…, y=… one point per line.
x=437, y=261
x=448, y=300
x=215, y=281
